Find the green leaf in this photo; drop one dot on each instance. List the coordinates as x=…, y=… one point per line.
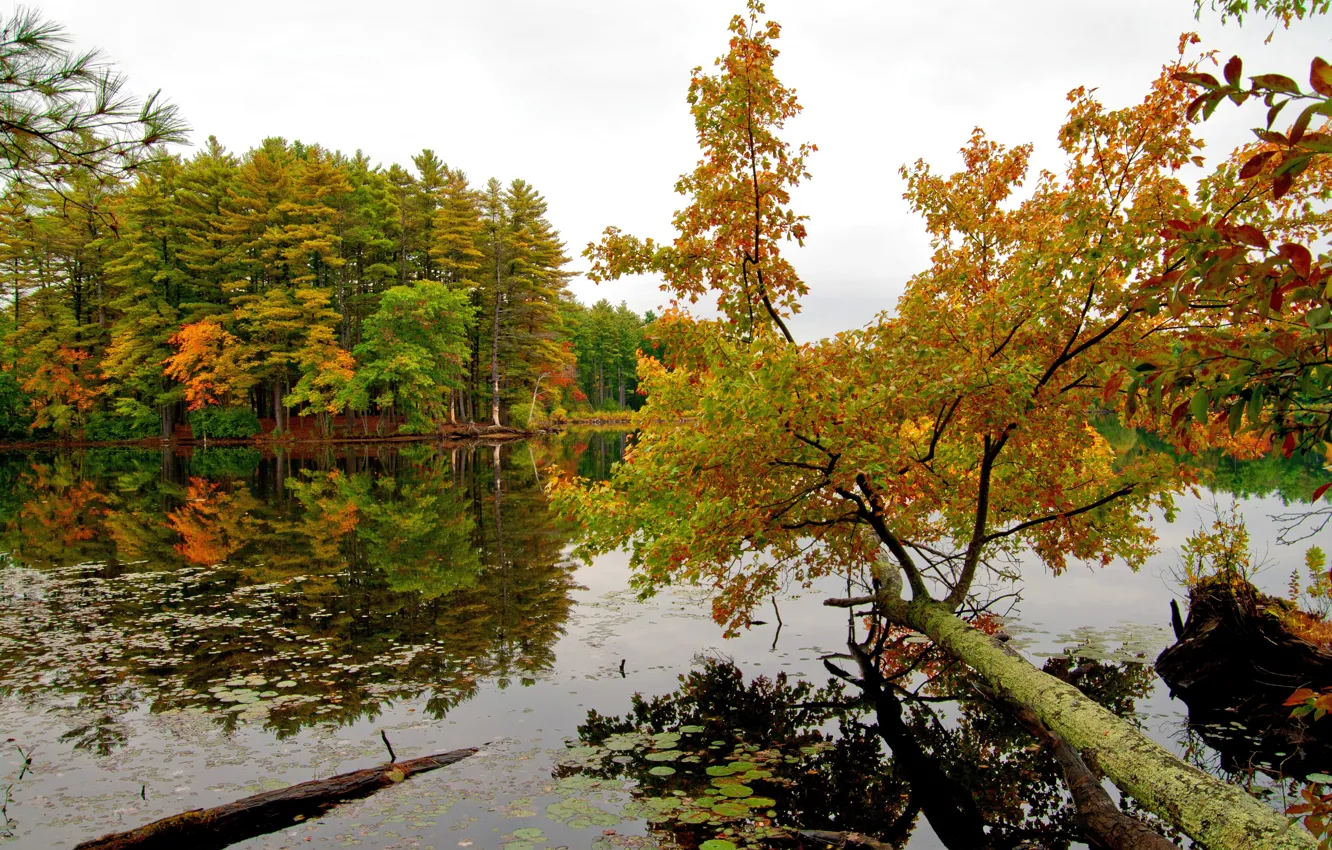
x=1198, y=406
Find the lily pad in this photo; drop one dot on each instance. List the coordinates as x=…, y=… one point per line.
x=661, y=770
x=667, y=755
x=731, y=810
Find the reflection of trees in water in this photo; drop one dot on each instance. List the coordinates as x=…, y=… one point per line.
x=904, y=749
x=1294, y=479
x=278, y=590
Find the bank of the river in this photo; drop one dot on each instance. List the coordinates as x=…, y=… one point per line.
x=450, y=432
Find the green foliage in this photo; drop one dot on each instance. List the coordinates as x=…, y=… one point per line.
x=415, y=352
x=111, y=426
x=1314, y=593
x=1284, y=11
x=225, y=462
x=224, y=423
x=1221, y=553
x=15, y=416
x=606, y=343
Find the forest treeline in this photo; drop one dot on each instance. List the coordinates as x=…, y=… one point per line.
x=294, y=281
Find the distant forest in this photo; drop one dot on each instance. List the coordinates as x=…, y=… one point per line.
x=293, y=281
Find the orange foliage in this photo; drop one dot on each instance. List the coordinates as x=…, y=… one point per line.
x=210, y=363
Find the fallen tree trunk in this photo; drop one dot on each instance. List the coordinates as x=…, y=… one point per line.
x=1217, y=814
x=221, y=826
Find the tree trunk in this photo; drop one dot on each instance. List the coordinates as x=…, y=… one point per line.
x=221, y=826
x=494, y=351
x=1217, y=814
x=166, y=415
x=277, y=405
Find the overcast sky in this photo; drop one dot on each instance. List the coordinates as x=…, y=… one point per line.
x=585, y=99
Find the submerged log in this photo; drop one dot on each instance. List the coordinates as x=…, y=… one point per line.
x=1234, y=664
x=221, y=826
x=847, y=840
x=1213, y=812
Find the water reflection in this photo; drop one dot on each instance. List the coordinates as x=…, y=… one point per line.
x=279, y=590
x=723, y=759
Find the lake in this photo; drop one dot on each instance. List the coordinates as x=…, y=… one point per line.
x=183, y=630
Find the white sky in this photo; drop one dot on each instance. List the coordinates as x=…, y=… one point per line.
x=585, y=99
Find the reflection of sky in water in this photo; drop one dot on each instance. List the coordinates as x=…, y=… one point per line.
x=187, y=760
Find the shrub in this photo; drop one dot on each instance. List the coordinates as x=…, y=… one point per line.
x=223, y=423
x=112, y=426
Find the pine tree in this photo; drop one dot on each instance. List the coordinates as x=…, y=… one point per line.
x=206, y=182
x=150, y=280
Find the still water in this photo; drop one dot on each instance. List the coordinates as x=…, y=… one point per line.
x=182, y=631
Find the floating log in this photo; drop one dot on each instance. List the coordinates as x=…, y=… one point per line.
x=221, y=826
x=1234, y=665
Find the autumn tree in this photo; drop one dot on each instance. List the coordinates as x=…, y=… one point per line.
x=729, y=235
x=914, y=457
x=210, y=363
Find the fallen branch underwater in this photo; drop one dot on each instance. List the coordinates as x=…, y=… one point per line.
x=221, y=826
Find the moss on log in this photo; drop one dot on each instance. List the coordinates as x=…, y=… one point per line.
x=220, y=826
x=1217, y=814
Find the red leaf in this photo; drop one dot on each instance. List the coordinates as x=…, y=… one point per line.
x=1203, y=79
x=1112, y=386
x=1179, y=413
x=1281, y=185
x=1288, y=447
x=1195, y=107
x=1299, y=257
x=1320, y=76
x=1275, y=301
x=1233, y=69
x=1299, y=696
x=1302, y=123
x=1255, y=164
x=1250, y=235
x=1276, y=82
x=1320, y=491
